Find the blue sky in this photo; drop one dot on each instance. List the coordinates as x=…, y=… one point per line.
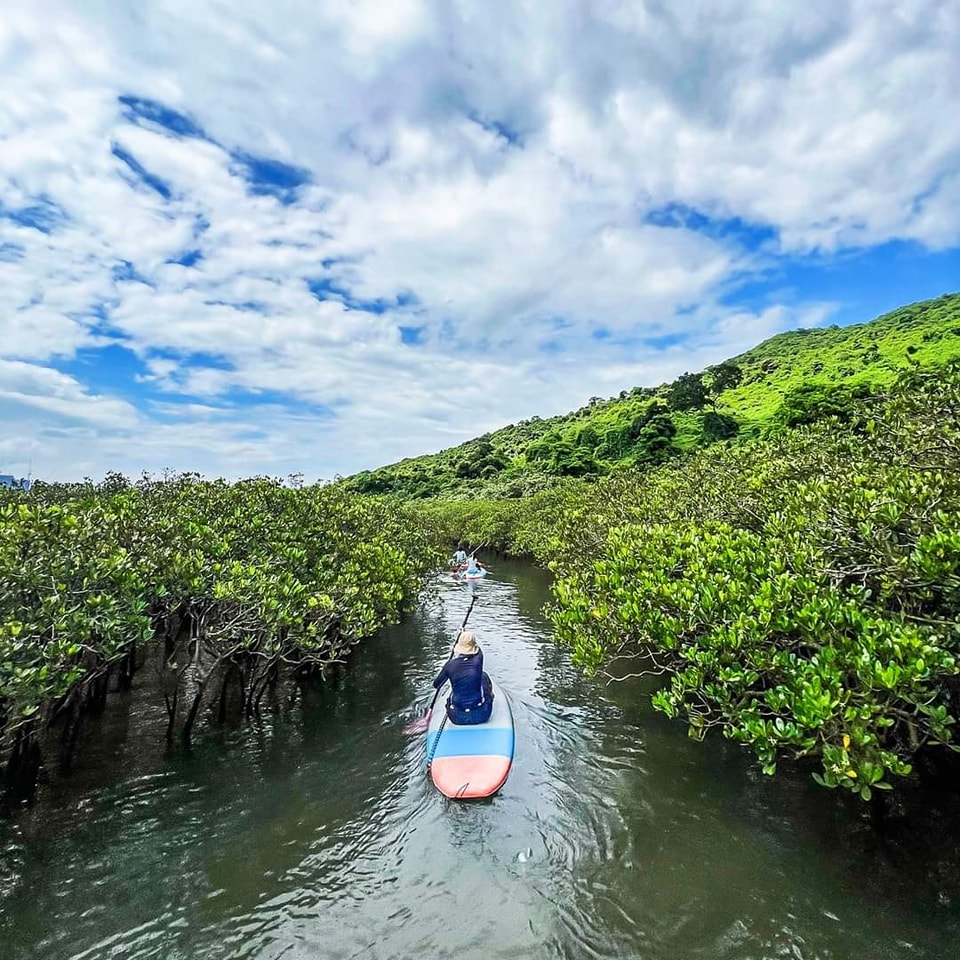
x=249, y=238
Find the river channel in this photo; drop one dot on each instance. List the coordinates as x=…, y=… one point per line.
x=317, y=834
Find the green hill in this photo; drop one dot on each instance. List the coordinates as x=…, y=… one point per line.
x=792, y=378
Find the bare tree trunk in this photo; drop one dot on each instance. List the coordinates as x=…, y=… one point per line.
x=23, y=767
x=269, y=680
x=128, y=667
x=71, y=733
x=171, y=703
x=194, y=710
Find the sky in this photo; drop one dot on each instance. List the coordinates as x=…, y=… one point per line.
x=250, y=238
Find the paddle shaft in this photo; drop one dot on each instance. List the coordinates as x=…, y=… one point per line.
x=462, y=625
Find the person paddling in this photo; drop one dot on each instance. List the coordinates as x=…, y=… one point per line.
x=474, y=567
x=471, y=697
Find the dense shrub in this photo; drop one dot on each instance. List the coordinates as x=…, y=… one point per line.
x=810, y=402
x=232, y=580
x=802, y=594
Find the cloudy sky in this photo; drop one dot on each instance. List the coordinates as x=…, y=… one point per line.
x=269, y=237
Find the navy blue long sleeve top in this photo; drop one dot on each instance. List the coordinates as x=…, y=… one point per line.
x=465, y=673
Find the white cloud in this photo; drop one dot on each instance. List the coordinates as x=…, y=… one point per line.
x=494, y=165
x=54, y=392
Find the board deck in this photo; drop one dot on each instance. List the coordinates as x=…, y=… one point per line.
x=469, y=762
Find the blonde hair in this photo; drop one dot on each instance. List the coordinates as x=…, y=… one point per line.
x=467, y=642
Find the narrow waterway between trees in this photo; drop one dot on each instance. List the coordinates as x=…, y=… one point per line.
x=317, y=834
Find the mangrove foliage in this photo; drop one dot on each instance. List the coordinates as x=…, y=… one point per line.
x=229, y=584
x=799, y=592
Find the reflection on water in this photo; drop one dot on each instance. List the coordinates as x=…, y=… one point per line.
x=318, y=834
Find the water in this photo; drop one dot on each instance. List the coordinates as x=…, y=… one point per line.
x=317, y=835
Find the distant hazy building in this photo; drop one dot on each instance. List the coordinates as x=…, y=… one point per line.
x=11, y=482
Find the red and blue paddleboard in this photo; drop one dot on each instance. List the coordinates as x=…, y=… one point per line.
x=469, y=762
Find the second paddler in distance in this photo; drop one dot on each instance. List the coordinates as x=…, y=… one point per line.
x=473, y=569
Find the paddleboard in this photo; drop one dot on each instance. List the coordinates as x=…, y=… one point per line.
x=469, y=762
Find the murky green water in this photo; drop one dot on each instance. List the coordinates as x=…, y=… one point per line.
x=318, y=835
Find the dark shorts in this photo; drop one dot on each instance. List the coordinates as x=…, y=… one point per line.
x=465, y=716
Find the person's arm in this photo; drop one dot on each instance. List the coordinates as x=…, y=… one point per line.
x=441, y=677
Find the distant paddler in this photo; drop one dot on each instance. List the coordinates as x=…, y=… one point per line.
x=474, y=569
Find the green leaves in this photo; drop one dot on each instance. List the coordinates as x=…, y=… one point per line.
x=257, y=567
x=71, y=602
x=801, y=593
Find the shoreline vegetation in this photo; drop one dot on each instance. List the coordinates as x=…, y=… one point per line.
x=793, y=579
x=776, y=539
x=800, y=593
x=236, y=587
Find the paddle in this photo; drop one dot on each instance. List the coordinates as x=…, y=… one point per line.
x=420, y=726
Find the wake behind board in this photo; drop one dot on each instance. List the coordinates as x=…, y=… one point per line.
x=469, y=762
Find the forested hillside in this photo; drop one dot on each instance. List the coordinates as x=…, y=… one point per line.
x=793, y=378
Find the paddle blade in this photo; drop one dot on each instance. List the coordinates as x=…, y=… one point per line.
x=418, y=726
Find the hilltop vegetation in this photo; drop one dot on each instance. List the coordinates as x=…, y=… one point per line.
x=793, y=378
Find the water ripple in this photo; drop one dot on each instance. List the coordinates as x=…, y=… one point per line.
x=317, y=834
